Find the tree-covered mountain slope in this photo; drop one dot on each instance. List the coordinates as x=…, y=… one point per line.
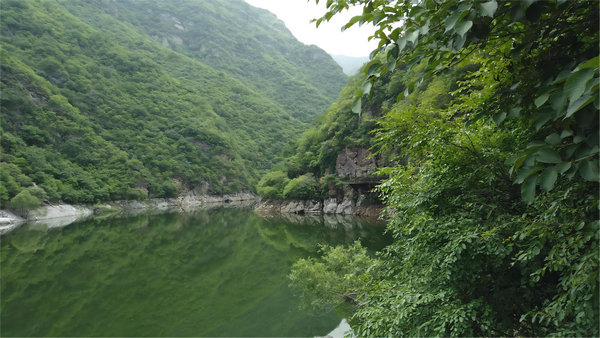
x=94, y=109
x=245, y=42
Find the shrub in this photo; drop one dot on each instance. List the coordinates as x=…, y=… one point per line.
x=25, y=201
x=272, y=184
x=302, y=187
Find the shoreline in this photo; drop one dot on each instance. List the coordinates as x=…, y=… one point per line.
x=62, y=214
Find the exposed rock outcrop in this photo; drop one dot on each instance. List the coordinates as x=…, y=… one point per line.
x=356, y=164
x=328, y=206
x=9, y=221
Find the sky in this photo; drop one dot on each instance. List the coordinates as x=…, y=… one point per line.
x=297, y=15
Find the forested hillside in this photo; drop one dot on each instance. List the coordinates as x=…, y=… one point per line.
x=95, y=109
x=487, y=117
x=247, y=43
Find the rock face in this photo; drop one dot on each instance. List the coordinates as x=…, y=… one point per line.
x=328, y=206
x=9, y=221
x=355, y=164
x=59, y=211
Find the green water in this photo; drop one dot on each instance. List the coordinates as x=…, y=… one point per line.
x=206, y=273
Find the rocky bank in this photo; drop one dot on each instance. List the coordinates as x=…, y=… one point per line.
x=327, y=206
x=57, y=215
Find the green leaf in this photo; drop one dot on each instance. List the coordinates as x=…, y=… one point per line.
x=514, y=112
x=548, y=155
x=451, y=20
x=562, y=167
x=566, y=133
x=463, y=27
x=591, y=63
x=373, y=68
x=585, y=151
x=575, y=85
x=412, y=36
x=351, y=22
x=401, y=42
x=499, y=117
x=578, y=104
x=542, y=118
x=392, y=50
x=401, y=96
x=589, y=170
x=525, y=172
x=540, y=100
x=519, y=160
x=356, y=105
x=553, y=139
x=424, y=29
x=528, y=189
x=488, y=8
x=366, y=87
x=548, y=178
x=558, y=100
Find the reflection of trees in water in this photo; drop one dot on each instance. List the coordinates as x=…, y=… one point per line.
x=368, y=230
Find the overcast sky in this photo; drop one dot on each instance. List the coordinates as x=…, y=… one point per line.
x=297, y=15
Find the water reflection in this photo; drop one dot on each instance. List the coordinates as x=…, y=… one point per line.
x=220, y=272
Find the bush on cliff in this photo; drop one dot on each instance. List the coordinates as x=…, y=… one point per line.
x=301, y=187
x=272, y=184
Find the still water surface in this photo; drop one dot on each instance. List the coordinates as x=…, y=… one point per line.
x=216, y=272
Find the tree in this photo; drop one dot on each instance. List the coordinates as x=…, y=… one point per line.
x=24, y=201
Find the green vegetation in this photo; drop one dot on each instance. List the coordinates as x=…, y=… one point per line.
x=334, y=278
x=301, y=187
x=95, y=109
x=271, y=185
x=248, y=43
x=489, y=123
x=316, y=152
x=25, y=201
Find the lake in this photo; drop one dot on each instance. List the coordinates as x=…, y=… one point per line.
x=220, y=272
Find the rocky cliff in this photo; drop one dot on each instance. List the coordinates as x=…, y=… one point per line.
x=356, y=164
x=355, y=167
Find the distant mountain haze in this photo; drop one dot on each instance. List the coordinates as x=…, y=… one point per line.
x=350, y=64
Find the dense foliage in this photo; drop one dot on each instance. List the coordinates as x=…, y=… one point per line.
x=492, y=197
x=94, y=108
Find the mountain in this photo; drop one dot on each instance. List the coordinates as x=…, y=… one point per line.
x=249, y=43
x=94, y=108
x=350, y=64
